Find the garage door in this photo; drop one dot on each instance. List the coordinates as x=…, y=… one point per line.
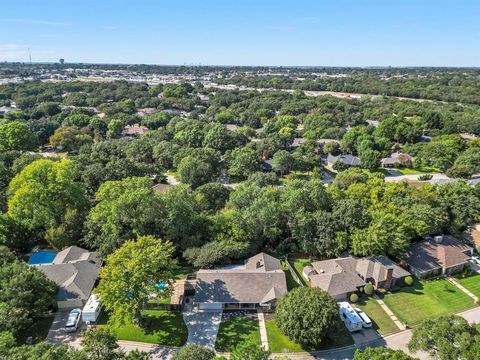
x=210, y=306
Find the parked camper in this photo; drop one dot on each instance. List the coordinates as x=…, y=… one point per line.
x=91, y=310
x=367, y=323
x=349, y=316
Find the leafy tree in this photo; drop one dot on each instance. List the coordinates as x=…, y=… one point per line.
x=243, y=161
x=194, y=352
x=70, y=138
x=137, y=355
x=215, y=252
x=262, y=179
x=218, y=138
x=44, y=351
x=215, y=196
x=283, y=162
x=131, y=275
x=249, y=350
x=101, y=344
x=44, y=196
x=25, y=297
x=370, y=159
x=381, y=353
x=307, y=316
x=350, y=176
x=16, y=135
x=109, y=223
x=195, y=171
x=446, y=338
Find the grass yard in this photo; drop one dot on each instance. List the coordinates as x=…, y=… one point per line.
x=425, y=170
x=298, y=265
x=234, y=331
x=470, y=282
x=291, y=283
x=162, y=327
x=381, y=321
x=427, y=299
x=278, y=342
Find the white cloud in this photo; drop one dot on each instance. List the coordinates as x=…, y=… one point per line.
x=38, y=22
x=108, y=27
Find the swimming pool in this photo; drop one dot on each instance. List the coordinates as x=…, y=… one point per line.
x=42, y=257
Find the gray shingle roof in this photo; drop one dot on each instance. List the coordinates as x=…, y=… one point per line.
x=348, y=159
x=262, y=280
x=75, y=271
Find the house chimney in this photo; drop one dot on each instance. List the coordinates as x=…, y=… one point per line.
x=388, y=277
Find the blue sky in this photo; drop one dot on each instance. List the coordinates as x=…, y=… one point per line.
x=243, y=32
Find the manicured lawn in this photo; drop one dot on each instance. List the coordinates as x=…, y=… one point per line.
x=278, y=342
x=291, y=283
x=162, y=327
x=235, y=331
x=298, y=265
x=426, y=170
x=471, y=283
x=427, y=299
x=381, y=321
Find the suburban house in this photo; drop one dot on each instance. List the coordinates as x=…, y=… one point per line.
x=75, y=271
x=442, y=255
x=260, y=282
x=134, y=130
x=232, y=127
x=161, y=188
x=297, y=142
x=323, y=142
x=343, y=276
x=396, y=159
x=147, y=111
x=348, y=160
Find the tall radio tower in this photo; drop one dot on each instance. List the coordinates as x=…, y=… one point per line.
x=30, y=56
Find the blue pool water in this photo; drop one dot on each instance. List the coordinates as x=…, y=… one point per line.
x=162, y=285
x=42, y=257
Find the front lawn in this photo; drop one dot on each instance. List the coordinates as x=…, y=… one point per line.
x=298, y=265
x=235, y=331
x=162, y=327
x=427, y=299
x=418, y=171
x=381, y=321
x=278, y=342
x=471, y=282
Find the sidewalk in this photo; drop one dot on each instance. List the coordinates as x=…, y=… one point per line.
x=461, y=287
x=263, y=329
x=389, y=312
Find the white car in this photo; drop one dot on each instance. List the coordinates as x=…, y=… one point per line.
x=73, y=320
x=475, y=259
x=367, y=323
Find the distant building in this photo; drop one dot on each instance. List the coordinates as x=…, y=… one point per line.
x=231, y=127
x=397, y=159
x=61, y=61
x=348, y=160
x=147, y=111
x=134, y=130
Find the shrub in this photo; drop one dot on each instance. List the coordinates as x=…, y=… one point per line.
x=425, y=177
x=408, y=281
x=353, y=298
x=368, y=289
x=194, y=352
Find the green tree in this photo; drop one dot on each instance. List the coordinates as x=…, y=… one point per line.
x=16, y=135
x=249, y=350
x=243, y=161
x=446, y=338
x=370, y=159
x=381, y=353
x=25, y=297
x=110, y=223
x=101, y=344
x=70, y=138
x=131, y=275
x=218, y=138
x=194, y=352
x=44, y=195
x=307, y=316
x=195, y=171
x=283, y=162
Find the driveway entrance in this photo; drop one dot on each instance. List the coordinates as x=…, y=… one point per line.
x=202, y=326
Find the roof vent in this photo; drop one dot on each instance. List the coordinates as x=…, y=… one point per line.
x=438, y=239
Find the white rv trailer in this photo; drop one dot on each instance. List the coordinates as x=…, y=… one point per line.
x=349, y=316
x=91, y=310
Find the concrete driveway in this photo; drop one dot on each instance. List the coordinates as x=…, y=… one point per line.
x=365, y=336
x=57, y=335
x=202, y=326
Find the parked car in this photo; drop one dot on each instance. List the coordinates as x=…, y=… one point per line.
x=73, y=320
x=366, y=322
x=475, y=259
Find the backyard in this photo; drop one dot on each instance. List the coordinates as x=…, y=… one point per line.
x=162, y=327
x=381, y=321
x=298, y=265
x=427, y=299
x=236, y=330
x=291, y=282
x=278, y=342
x=471, y=282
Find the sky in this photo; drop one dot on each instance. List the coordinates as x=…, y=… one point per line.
x=243, y=32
